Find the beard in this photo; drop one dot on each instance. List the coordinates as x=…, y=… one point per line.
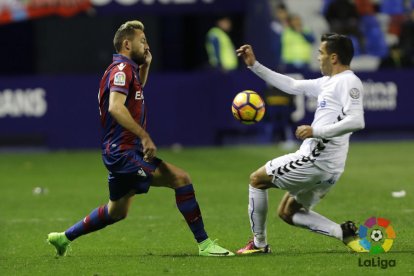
x=138, y=58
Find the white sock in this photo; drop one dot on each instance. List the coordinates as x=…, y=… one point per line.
x=317, y=223
x=257, y=215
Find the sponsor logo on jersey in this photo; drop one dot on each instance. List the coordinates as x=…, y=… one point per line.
x=119, y=79
x=354, y=93
x=139, y=95
x=322, y=103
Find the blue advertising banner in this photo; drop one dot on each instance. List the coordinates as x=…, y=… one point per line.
x=61, y=111
x=189, y=109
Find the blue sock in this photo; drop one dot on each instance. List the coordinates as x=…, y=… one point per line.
x=188, y=206
x=97, y=219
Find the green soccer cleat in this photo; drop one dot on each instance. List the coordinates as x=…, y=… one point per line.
x=210, y=248
x=60, y=242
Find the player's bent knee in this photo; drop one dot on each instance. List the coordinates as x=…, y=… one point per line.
x=287, y=208
x=254, y=179
x=260, y=180
x=286, y=217
x=118, y=216
x=181, y=178
x=117, y=213
x=184, y=178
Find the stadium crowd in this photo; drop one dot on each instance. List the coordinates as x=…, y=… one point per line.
x=382, y=30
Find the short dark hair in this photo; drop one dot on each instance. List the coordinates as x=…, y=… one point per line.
x=281, y=6
x=126, y=31
x=340, y=45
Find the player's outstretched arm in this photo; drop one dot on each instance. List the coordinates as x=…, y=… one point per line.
x=282, y=82
x=123, y=117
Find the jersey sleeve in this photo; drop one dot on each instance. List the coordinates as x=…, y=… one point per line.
x=287, y=84
x=350, y=93
x=120, y=78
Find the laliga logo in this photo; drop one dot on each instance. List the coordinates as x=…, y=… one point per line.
x=377, y=235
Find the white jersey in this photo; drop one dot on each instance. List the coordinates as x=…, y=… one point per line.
x=338, y=114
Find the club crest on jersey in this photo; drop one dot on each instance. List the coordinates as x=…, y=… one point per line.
x=354, y=93
x=121, y=66
x=119, y=78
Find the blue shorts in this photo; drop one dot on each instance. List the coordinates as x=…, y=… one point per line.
x=128, y=171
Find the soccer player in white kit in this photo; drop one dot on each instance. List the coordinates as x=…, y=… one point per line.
x=309, y=173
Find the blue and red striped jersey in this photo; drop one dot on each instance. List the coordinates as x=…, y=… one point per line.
x=121, y=77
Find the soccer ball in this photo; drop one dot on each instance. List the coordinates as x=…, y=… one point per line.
x=248, y=107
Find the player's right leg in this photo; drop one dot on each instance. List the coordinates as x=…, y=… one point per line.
x=260, y=181
x=99, y=218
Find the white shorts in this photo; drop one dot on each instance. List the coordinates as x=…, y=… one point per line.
x=299, y=176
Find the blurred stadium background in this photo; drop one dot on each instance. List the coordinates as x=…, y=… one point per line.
x=54, y=53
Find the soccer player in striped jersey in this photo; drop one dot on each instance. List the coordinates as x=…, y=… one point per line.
x=308, y=174
x=128, y=151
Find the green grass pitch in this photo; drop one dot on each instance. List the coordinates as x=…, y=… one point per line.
x=154, y=239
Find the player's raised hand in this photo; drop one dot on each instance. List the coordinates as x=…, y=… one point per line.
x=303, y=132
x=149, y=148
x=148, y=57
x=246, y=52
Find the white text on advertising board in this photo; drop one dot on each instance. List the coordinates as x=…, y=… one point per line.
x=23, y=102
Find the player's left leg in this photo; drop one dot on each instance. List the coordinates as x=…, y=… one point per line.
x=99, y=218
x=293, y=212
x=168, y=175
